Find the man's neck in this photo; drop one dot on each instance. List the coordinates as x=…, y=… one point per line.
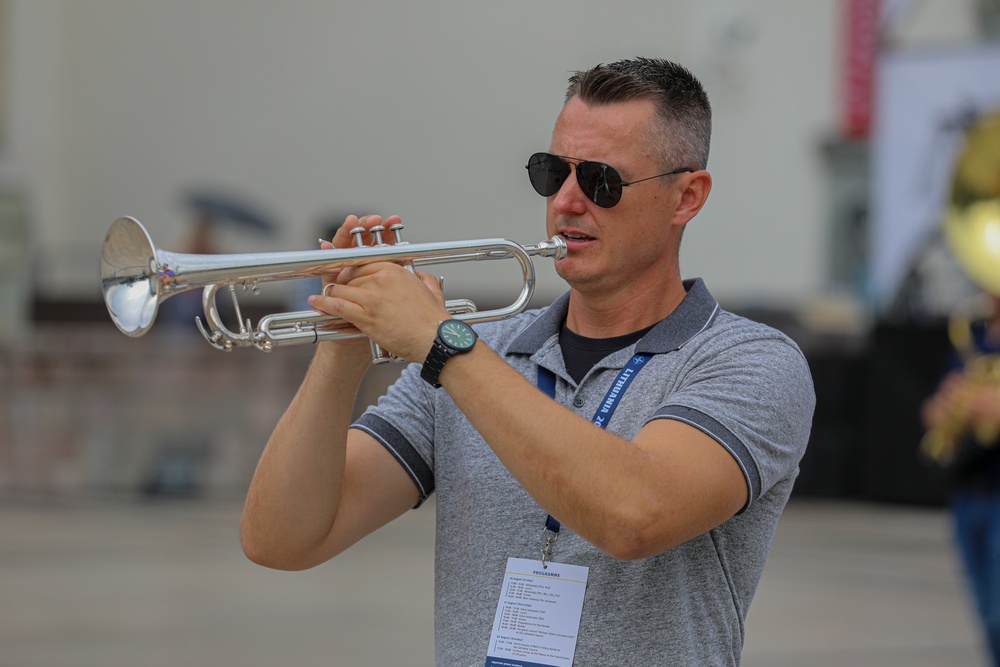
x=606, y=316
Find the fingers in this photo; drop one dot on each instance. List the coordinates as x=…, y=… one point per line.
x=389, y=304
x=434, y=283
x=338, y=301
x=377, y=276
x=382, y=279
x=377, y=288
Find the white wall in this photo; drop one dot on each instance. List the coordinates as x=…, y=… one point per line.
x=426, y=109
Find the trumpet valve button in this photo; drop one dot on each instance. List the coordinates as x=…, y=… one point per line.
x=357, y=232
x=397, y=229
x=377, y=232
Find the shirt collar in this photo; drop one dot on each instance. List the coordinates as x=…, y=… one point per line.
x=694, y=314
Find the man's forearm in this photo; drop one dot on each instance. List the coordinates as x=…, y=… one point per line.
x=292, y=500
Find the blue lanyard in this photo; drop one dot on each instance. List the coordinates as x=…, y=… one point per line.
x=547, y=383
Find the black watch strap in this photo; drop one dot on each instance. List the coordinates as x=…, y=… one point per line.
x=434, y=363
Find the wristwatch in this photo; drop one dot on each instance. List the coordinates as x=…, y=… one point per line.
x=453, y=337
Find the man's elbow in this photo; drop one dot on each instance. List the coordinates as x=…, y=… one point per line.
x=260, y=552
x=634, y=538
x=642, y=532
x=636, y=545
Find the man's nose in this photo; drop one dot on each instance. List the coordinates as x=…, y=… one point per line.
x=570, y=198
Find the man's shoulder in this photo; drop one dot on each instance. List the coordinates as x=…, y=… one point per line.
x=731, y=328
x=739, y=341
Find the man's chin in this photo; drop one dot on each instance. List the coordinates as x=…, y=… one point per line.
x=575, y=274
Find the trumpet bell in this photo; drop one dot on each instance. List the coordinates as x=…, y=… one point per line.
x=972, y=222
x=129, y=277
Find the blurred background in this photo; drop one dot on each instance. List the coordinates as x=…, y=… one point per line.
x=252, y=126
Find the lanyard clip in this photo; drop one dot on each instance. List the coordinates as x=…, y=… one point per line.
x=550, y=537
x=550, y=533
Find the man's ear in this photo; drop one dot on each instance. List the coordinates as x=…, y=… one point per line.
x=694, y=194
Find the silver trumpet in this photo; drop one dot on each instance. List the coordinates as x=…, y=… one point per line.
x=136, y=277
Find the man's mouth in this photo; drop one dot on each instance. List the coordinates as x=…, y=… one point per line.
x=572, y=236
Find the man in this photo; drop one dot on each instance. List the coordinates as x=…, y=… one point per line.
x=668, y=505
x=963, y=421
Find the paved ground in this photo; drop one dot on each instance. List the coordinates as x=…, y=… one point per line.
x=112, y=584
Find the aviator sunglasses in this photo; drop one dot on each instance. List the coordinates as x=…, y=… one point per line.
x=600, y=182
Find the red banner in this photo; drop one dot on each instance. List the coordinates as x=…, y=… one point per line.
x=860, y=49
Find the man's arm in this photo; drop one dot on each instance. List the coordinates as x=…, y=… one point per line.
x=630, y=499
x=320, y=487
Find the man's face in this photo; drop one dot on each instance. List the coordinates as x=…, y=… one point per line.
x=613, y=248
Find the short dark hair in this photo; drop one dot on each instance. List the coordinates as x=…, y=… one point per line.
x=684, y=128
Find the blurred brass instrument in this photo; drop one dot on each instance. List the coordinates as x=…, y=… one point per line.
x=136, y=277
x=972, y=230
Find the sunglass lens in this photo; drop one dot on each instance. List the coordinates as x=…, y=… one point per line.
x=547, y=173
x=600, y=183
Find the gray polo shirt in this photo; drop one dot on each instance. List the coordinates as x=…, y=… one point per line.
x=744, y=384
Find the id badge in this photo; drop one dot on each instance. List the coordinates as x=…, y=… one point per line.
x=538, y=616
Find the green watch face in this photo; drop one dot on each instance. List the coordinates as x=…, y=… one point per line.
x=458, y=335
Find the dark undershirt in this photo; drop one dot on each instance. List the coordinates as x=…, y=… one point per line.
x=580, y=353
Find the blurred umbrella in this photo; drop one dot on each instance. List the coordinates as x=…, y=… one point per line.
x=219, y=207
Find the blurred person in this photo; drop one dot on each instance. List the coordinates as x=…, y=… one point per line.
x=965, y=407
x=633, y=433
x=209, y=209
